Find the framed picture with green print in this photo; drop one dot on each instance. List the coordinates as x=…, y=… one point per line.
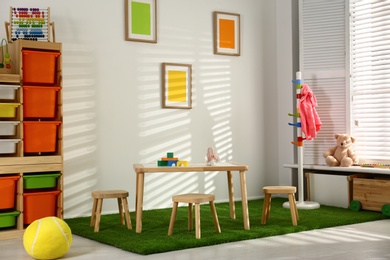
x=141, y=20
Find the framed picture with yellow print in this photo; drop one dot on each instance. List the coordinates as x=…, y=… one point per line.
x=141, y=20
x=226, y=30
x=176, y=85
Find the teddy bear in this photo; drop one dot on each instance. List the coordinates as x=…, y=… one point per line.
x=341, y=154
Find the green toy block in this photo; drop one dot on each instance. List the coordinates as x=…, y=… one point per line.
x=169, y=155
x=162, y=163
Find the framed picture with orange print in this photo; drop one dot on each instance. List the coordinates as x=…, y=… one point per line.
x=176, y=85
x=226, y=30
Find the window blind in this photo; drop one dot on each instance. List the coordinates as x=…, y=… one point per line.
x=323, y=63
x=370, y=79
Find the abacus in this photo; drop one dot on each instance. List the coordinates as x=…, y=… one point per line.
x=376, y=165
x=29, y=24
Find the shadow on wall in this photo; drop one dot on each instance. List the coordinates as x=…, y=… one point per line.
x=79, y=114
x=174, y=130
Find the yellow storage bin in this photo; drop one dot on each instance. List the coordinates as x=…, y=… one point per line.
x=8, y=110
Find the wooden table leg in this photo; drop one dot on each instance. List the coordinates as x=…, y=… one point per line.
x=139, y=197
x=244, y=198
x=231, y=195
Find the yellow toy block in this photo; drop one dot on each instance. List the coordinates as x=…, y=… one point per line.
x=182, y=163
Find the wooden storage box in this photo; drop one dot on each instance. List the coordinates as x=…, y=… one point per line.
x=39, y=102
x=40, y=136
x=7, y=191
x=371, y=193
x=39, y=67
x=38, y=205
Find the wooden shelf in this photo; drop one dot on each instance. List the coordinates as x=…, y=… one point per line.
x=20, y=163
x=10, y=78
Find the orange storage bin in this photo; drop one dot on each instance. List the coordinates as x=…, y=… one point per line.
x=40, y=136
x=39, y=102
x=39, y=67
x=38, y=205
x=7, y=191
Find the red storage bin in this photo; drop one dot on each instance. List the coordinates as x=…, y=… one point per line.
x=39, y=67
x=38, y=205
x=40, y=136
x=7, y=191
x=39, y=102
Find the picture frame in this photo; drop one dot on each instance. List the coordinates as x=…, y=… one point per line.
x=176, y=85
x=226, y=32
x=141, y=20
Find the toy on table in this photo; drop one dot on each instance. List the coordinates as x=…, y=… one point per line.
x=341, y=154
x=182, y=163
x=171, y=161
x=212, y=157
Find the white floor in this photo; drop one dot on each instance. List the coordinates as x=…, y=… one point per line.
x=360, y=241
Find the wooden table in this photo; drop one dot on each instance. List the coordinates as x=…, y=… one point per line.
x=141, y=169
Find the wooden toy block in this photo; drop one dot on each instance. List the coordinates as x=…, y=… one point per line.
x=172, y=163
x=170, y=155
x=169, y=159
x=162, y=163
x=182, y=163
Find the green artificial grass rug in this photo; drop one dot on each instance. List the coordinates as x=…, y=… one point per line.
x=154, y=238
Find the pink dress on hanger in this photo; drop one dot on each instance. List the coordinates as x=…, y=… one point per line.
x=310, y=121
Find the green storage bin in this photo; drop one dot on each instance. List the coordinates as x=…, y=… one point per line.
x=8, y=219
x=40, y=181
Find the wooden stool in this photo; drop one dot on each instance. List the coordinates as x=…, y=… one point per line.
x=98, y=197
x=193, y=198
x=290, y=191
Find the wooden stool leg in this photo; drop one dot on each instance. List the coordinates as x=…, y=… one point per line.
x=215, y=217
x=127, y=213
x=190, y=206
x=269, y=205
x=266, y=208
x=173, y=217
x=93, y=215
x=295, y=207
x=98, y=213
x=292, y=208
x=120, y=207
x=197, y=220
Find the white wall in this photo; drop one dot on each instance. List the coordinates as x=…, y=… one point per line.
x=112, y=112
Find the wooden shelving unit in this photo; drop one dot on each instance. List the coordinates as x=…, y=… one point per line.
x=19, y=162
